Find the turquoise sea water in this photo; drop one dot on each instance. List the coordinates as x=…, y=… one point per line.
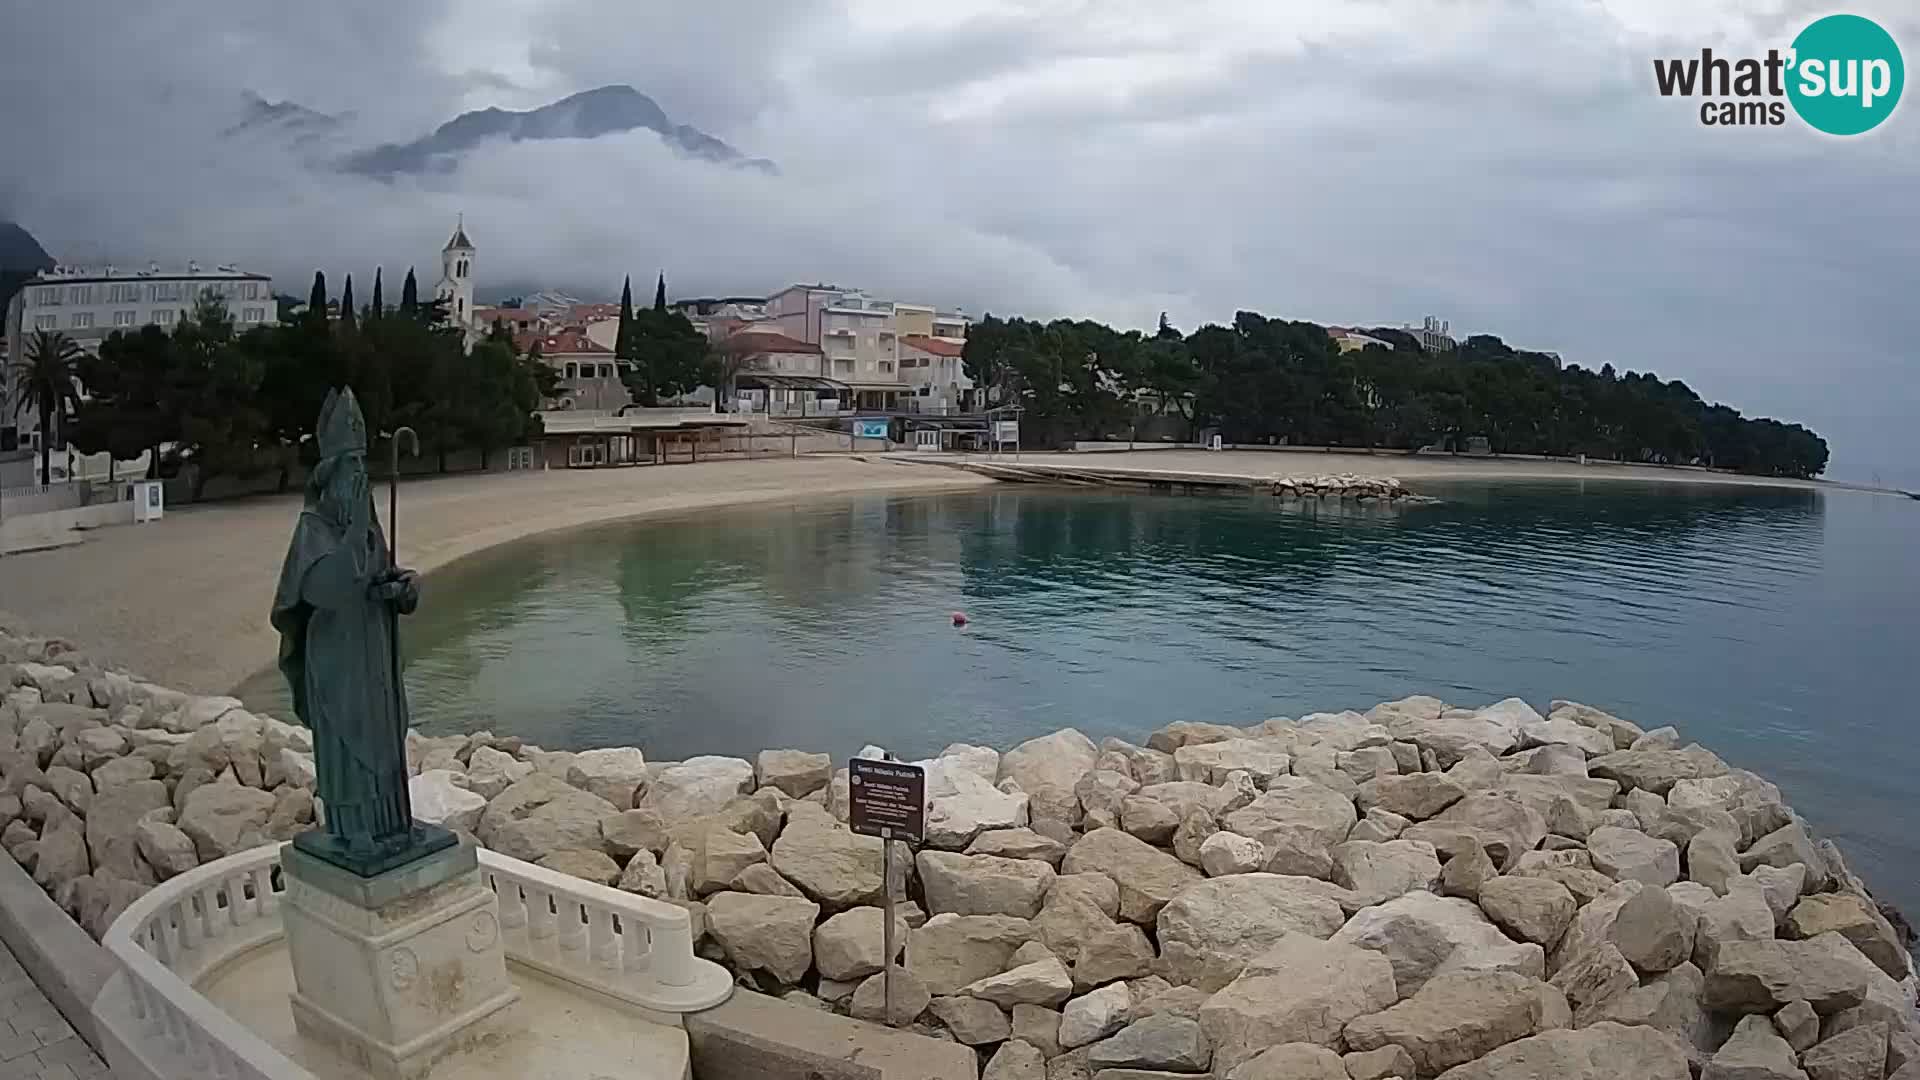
x=1779, y=628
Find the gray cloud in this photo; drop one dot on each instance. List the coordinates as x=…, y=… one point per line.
x=1504, y=164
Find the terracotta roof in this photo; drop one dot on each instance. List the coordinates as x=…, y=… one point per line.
x=568, y=343
x=586, y=313
x=934, y=345
x=772, y=342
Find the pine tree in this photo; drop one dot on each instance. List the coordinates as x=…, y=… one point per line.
x=409, y=296
x=623, y=338
x=379, y=306
x=317, y=298
x=348, y=323
x=660, y=293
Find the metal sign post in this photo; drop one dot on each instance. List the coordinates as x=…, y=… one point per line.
x=887, y=799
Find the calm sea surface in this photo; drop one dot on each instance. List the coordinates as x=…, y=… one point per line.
x=1778, y=628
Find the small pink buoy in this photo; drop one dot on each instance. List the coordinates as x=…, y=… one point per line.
x=959, y=618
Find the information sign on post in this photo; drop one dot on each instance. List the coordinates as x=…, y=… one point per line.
x=887, y=799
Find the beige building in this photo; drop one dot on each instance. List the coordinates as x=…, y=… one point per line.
x=860, y=338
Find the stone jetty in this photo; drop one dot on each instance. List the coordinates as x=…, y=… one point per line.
x=1415, y=891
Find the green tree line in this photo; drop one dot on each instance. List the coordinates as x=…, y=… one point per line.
x=243, y=403
x=1266, y=380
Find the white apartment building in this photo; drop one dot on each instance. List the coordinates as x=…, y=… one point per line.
x=88, y=304
x=935, y=375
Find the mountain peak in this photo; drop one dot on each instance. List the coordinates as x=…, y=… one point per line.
x=588, y=114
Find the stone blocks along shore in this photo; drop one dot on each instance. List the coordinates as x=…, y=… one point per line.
x=1416, y=891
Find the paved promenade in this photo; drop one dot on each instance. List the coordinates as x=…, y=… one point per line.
x=35, y=1041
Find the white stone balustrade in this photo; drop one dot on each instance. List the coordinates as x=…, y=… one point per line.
x=636, y=950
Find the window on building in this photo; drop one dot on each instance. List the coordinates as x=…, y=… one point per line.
x=163, y=317
x=124, y=318
x=79, y=294
x=45, y=322
x=48, y=297
x=573, y=371
x=83, y=320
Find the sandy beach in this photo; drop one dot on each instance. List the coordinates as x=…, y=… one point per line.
x=1414, y=468
x=185, y=600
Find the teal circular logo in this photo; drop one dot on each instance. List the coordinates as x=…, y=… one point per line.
x=1846, y=75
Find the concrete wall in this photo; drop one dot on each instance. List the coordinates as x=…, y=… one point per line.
x=755, y=1037
x=67, y=965
x=38, y=530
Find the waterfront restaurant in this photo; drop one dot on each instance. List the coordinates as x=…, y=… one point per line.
x=590, y=438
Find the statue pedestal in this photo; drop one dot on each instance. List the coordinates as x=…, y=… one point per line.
x=399, y=970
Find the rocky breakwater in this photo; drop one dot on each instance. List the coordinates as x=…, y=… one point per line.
x=1417, y=891
x=1343, y=486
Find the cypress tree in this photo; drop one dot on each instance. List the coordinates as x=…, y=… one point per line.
x=347, y=323
x=409, y=296
x=379, y=306
x=623, y=339
x=317, y=298
x=660, y=293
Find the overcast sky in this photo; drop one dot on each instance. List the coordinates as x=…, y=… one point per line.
x=1504, y=164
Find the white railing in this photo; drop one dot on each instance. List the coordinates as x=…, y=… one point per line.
x=628, y=947
x=179, y=931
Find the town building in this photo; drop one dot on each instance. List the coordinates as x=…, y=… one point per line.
x=1351, y=340
x=88, y=304
x=860, y=339
x=937, y=379
x=1433, y=334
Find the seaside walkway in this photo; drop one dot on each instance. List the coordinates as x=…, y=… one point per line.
x=36, y=1042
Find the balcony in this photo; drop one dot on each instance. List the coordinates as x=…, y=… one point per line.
x=605, y=979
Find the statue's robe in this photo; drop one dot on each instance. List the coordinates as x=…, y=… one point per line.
x=336, y=651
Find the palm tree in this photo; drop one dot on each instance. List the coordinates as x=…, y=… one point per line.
x=46, y=378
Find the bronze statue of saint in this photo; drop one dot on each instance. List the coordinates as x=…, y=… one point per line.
x=337, y=610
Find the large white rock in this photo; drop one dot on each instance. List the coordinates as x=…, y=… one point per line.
x=1147, y=876
x=773, y=934
x=542, y=814
x=1382, y=871
x=614, y=773
x=165, y=848
x=1209, y=763
x=828, y=862
x=698, y=786
x=1294, y=803
x=1095, y=1016
x=719, y=855
x=1604, y=1051
x=111, y=837
x=1530, y=909
x=949, y=952
x=1048, y=769
x=1299, y=990
x=1848, y=914
x=1627, y=855
x=491, y=771
x=1043, y=982
x=1500, y=823
x=438, y=799
x=850, y=945
x=794, y=772
x=1565, y=731
x=1418, y=796
x=1657, y=770
x=961, y=804
x=1226, y=853
x=983, y=884
x=224, y=818
x=1424, y=935
x=1209, y=929
x=1762, y=976
x=1754, y=1052
x=1456, y=1018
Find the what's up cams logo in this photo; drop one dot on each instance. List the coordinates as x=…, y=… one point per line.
x=1843, y=75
